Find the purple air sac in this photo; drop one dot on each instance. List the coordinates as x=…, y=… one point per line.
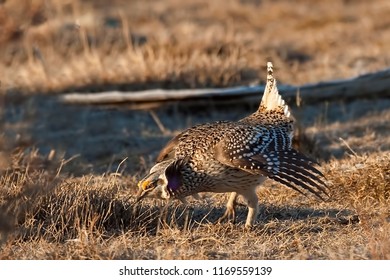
x=174, y=182
x=173, y=174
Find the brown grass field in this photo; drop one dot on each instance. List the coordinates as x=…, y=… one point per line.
x=68, y=173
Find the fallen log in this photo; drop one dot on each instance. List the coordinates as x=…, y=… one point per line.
x=365, y=86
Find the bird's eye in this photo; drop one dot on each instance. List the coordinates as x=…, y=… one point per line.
x=152, y=184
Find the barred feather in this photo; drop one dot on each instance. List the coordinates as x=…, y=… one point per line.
x=291, y=167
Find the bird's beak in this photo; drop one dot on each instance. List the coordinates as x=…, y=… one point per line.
x=142, y=185
x=140, y=195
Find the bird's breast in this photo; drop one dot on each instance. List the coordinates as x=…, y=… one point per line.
x=213, y=176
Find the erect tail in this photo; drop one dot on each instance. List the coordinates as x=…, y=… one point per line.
x=272, y=100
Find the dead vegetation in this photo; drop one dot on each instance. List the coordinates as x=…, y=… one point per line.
x=55, y=46
x=95, y=217
x=68, y=173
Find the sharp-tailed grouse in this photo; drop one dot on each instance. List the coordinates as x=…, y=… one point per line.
x=235, y=157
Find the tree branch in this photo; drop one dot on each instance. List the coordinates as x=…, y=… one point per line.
x=365, y=86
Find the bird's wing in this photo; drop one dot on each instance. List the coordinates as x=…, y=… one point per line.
x=191, y=140
x=269, y=156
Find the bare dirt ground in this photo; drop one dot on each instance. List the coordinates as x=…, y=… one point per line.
x=69, y=173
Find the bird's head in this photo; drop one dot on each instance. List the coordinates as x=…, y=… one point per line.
x=163, y=180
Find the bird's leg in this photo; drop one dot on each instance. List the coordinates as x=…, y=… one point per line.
x=253, y=208
x=230, y=212
x=163, y=217
x=164, y=212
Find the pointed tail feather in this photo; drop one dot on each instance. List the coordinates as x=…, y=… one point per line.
x=272, y=100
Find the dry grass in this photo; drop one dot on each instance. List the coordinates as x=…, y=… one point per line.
x=66, y=191
x=95, y=217
x=57, y=45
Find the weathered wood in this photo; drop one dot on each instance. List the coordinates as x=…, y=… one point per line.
x=365, y=86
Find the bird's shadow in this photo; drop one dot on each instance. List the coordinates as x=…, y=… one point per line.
x=189, y=217
x=268, y=213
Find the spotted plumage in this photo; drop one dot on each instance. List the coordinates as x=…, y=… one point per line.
x=235, y=157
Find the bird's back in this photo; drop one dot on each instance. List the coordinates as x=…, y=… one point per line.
x=270, y=123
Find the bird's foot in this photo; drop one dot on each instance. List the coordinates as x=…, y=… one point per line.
x=230, y=214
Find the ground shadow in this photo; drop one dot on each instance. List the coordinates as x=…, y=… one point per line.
x=193, y=216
